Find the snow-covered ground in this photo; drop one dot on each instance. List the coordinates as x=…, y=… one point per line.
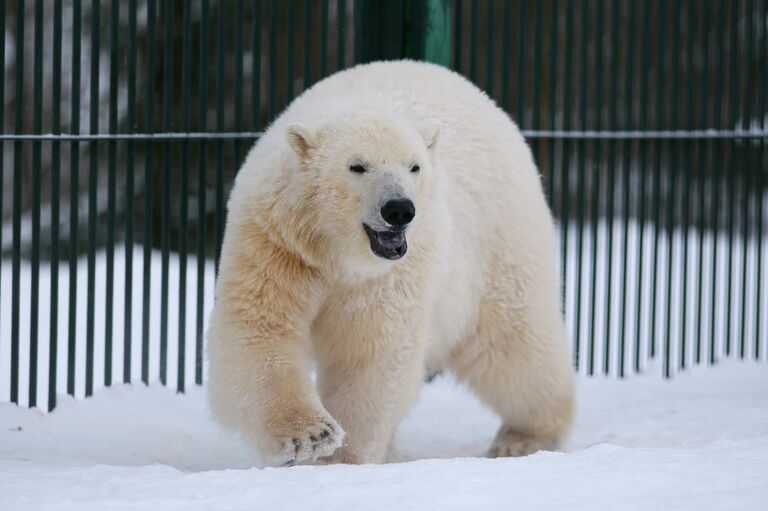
x=699, y=441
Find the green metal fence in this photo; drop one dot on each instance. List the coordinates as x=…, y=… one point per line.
x=123, y=123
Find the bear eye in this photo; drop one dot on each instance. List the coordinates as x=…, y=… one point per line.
x=415, y=168
x=359, y=169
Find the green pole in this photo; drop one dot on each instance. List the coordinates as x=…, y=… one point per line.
x=397, y=29
x=429, y=31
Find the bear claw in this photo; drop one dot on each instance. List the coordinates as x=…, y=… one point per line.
x=317, y=440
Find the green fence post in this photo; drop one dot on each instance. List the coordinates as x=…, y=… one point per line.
x=379, y=30
x=396, y=29
x=429, y=31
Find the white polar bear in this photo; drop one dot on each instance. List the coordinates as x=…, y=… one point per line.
x=389, y=223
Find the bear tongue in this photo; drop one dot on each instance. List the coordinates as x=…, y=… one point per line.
x=391, y=240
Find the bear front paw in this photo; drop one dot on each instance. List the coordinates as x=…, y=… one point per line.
x=307, y=440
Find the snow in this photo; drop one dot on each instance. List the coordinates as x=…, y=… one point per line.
x=699, y=441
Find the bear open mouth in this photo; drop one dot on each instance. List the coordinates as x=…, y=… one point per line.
x=390, y=245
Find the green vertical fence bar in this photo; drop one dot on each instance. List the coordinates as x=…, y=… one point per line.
x=149, y=126
x=505, y=49
x=37, y=122
x=687, y=176
x=53, y=341
x=255, y=66
x=473, y=41
x=17, y=177
x=458, y=35
x=130, y=187
x=93, y=179
x=238, y=99
x=595, y=184
x=290, y=63
x=629, y=37
x=746, y=179
x=656, y=196
x=272, y=75
x=537, y=59
x=521, y=35
x=341, y=21
x=2, y=132
x=435, y=17
x=109, y=285
x=756, y=191
x=760, y=184
x=416, y=29
x=716, y=192
x=220, y=59
x=671, y=198
x=733, y=89
x=702, y=165
x=613, y=169
x=165, y=209
x=565, y=164
x=582, y=116
x=186, y=113
x=553, y=75
x=490, y=18
x=645, y=148
x=323, y=39
x=202, y=167
x=536, y=92
x=308, y=57
x=74, y=188
x=761, y=169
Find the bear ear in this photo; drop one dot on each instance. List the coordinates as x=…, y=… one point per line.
x=430, y=132
x=301, y=138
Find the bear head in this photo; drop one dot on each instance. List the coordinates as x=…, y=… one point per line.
x=371, y=174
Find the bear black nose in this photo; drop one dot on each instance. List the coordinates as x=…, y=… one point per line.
x=398, y=212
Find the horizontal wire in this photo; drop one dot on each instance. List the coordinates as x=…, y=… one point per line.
x=89, y=137
x=647, y=135
x=593, y=135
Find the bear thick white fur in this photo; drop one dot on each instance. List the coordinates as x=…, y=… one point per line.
x=390, y=223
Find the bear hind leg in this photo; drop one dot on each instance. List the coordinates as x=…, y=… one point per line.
x=519, y=365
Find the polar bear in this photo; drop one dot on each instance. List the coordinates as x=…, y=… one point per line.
x=390, y=223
